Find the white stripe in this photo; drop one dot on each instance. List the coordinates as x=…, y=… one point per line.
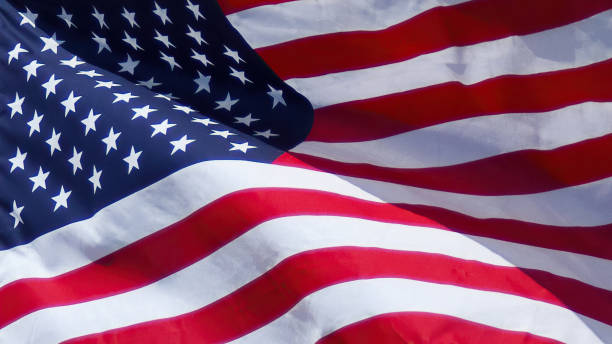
x=262, y=248
x=582, y=205
x=273, y=24
x=180, y=194
x=332, y=308
x=170, y=199
x=565, y=47
x=472, y=139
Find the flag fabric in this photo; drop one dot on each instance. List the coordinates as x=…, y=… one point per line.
x=269, y=171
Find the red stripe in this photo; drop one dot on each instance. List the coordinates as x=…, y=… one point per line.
x=393, y=114
x=415, y=327
x=595, y=241
x=278, y=290
x=514, y=173
x=434, y=30
x=232, y=6
x=148, y=260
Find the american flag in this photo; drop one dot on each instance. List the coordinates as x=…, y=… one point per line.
x=331, y=171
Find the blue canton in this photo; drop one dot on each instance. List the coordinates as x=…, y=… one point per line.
x=100, y=101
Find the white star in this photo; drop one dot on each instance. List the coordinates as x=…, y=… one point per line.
x=131, y=41
x=53, y=142
x=233, y=54
x=90, y=73
x=34, y=124
x=267, y=134
x=102, y=44
x=31, y=69
x=28, y=17
x=142, y=112
x=14, y=54
x=162, y=13
x=132, y=160
x=196, y=35
x=111, y=140
x=163, y=39
x=99, y=17
x=240, y=76
x=51, y=43
x=129, y=65
x=170, y=61
x=224, y=134
x=203, y=82
x=70, y=103
x=243, y=147
x=205, y=121
x=185, y=109
x=130, y=16
x=106, y=84
x=75, y=161
x=16, y=214
x=195, y=9
x=246, y=120
x=50, y=85
x=16, y=106
x=40, y=180
x=123, y=97
x=201, y=57
x=73, y=62
x=169, y=97
x=67, y=18
x=161, y=128
x=277, y=96
x=149, y=83
x=90, y=121
x=95, y=179
x=226, y=103
x=180, y=144
x=18, y=160
x=61, y=200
